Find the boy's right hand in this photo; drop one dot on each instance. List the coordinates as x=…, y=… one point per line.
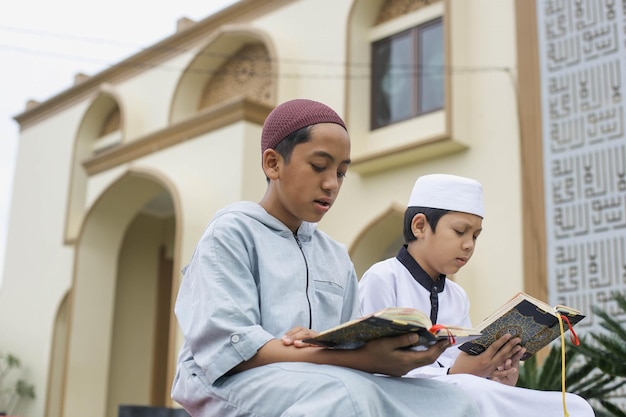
x=390, y=356
x=296, y=335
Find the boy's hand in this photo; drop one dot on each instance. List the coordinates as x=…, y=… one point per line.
x=500, y=361
x=390, y=356
x=296, y=335
x=508, y=373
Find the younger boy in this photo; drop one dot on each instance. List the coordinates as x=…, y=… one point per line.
x=262, y=276
x=441, y=225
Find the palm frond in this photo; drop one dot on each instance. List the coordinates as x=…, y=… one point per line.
x=594, y=370
x=612, y=408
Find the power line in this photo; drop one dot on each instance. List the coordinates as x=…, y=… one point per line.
x=155, y=47
x=407, y=71
x=79, y=38
x=410, y=70
x=40, y=53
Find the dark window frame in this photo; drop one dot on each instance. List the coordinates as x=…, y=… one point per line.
x=376, y=93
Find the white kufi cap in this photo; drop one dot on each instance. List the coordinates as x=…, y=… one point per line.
x=448, y=192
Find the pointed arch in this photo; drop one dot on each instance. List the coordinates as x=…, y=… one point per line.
x=232, y=48
x=101, y=127
x=379, y=240
x=58, y=360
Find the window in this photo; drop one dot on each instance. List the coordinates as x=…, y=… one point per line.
x=407, y=74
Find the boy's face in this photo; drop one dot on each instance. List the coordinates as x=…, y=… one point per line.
x=451, y=246
x=305, y=188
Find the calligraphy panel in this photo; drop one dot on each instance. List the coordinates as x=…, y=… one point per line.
x=582, y=56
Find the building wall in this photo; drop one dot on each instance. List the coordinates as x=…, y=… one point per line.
x=37, y=271
x=218, y=166
x=484, y=118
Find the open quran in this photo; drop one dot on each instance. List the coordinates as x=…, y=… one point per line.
x=534, y=321
x=392, y=321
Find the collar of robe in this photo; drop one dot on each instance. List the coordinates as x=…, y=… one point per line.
x=422, y=278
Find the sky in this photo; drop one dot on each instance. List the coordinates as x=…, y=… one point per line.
x=44, y=44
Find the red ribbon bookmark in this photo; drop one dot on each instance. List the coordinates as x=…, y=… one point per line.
x=437, y=327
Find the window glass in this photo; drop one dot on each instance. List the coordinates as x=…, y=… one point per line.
x=431, y=81
x=394, y=79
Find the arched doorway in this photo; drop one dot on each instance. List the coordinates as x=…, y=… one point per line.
x=380, y=240
x=119, y=337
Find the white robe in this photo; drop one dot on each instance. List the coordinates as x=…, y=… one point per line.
x=390, y=284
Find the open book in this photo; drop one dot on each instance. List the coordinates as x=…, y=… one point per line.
x=534, y=321
x=393, y=321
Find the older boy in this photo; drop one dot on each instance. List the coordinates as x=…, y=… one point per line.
x=441, y=225
x=262, y=276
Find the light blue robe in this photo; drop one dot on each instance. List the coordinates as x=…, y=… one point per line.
x=251, y=280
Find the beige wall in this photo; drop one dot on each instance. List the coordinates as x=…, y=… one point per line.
x=222, y=165
x=484, y=117
x=37, y=270
x=487, y=114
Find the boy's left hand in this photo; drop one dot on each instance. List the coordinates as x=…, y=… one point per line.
x=296, y=335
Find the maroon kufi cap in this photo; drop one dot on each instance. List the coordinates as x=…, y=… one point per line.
x=294, y=115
